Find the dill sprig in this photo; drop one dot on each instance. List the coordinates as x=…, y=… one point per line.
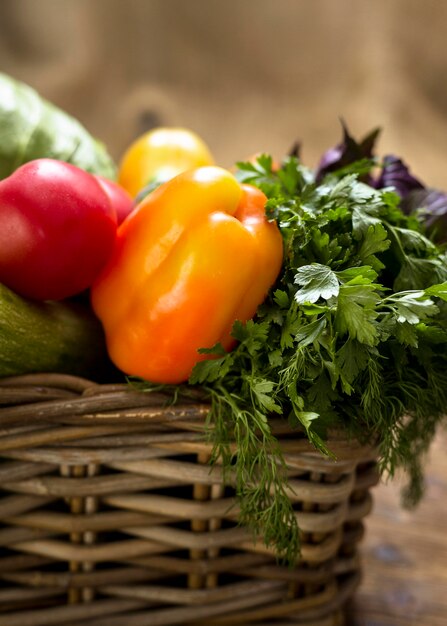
x=256, y=468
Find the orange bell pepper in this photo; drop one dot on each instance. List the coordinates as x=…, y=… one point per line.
x=196, y=255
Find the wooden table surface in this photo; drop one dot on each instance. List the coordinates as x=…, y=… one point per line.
x=405, y=555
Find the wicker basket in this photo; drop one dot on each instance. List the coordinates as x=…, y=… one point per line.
x=111, y=516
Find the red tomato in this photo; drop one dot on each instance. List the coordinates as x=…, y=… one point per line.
x=58, y=228
x=121, y=199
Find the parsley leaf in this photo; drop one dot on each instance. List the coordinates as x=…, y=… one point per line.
x=375, y=241
x=411, y=306
x=351, y=359
x=356, y=312
x=318, y=281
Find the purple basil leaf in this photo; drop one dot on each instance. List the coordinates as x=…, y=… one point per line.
x=430, y=206
x=347, y=152
x=396, y=174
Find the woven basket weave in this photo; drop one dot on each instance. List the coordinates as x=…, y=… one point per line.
x=111, y=516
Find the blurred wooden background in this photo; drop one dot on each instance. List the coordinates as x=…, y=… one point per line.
x=247, y=75
x=257, y=75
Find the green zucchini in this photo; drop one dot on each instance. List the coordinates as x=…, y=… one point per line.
x=33, y=128
x=60, y=337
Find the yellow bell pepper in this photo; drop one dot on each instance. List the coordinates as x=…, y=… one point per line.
x=159, y=155
x=196, y=255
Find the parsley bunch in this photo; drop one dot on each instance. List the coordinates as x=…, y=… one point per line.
x=352, y=336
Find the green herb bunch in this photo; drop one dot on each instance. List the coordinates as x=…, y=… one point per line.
x=352, y=336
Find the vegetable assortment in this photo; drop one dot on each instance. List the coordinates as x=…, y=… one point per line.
x=317, y=296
